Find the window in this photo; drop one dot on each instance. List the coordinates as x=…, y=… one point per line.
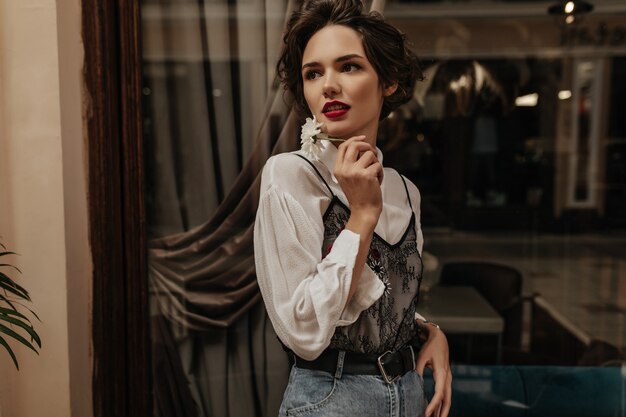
x=515, y=139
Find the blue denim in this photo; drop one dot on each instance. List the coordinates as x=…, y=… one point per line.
x=319, y=393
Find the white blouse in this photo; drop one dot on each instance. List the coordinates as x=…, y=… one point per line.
x=305, y=295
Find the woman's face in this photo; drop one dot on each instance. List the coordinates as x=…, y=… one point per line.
x=341, y=86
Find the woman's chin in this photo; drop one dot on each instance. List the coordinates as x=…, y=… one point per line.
x=331, y=129
x=340, y=128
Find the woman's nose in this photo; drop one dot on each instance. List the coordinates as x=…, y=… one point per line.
x=331, y=86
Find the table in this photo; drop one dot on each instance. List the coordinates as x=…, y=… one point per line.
x=461, y=310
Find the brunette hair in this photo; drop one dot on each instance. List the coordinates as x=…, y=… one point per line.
x=385, y=48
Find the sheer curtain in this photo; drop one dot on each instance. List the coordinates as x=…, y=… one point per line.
x=209, y=85
x=213, y=114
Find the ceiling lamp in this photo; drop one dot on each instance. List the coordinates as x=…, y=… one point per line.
x=570, y=11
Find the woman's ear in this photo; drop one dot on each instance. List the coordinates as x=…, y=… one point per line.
x=390, y=89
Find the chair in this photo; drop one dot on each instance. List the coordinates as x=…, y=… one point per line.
x=500, y=285
x=554, y=340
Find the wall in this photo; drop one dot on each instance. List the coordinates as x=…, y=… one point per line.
x=43, y=214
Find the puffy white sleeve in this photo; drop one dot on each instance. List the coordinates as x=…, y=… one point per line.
x=305, y=295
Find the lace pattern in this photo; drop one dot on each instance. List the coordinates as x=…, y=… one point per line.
x=389, y=323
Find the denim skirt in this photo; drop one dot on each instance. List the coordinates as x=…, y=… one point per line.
x=319, y=393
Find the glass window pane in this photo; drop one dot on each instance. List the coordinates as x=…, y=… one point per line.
x=516, y=140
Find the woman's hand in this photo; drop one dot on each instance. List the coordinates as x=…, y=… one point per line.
x=360, y=174
x=435, y=355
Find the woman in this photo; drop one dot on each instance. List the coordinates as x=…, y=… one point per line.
x=337, y=237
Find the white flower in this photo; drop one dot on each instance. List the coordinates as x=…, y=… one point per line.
x=311, y=128
x=309, y=138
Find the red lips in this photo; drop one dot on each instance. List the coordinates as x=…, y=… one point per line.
x=334, y=109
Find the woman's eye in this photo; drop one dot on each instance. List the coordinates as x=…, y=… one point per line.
x=350, y=67
x=311, y=75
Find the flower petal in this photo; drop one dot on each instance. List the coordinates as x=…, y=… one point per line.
x=310, y=146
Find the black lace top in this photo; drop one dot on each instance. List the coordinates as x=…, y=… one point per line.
x=390, y=322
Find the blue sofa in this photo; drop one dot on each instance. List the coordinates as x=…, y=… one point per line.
x=537, y=391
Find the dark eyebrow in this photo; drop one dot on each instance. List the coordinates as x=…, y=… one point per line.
x=347, y=57
x=340, y=59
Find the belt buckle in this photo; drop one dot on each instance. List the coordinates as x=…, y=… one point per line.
x=381, y=367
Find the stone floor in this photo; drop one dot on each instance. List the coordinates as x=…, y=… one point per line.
x=582, y=276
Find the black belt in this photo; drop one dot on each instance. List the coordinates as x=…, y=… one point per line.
x=391, y=365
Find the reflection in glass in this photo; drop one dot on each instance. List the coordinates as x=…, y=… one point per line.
x=212, y=116
x=585, y=132
x=479, y=134
x=481, y=141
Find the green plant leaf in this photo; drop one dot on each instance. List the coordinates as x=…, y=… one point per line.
x=11, y=293
x=7, y=253
x=31, y=331
x=8, y=348
x=10, y=312
x=31, y=311
x=11, y=266
x=12, y=302
x=12, y=282
x=4, y=329
x=5, y=299
x=11, y=286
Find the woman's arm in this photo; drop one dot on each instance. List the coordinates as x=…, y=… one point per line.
x=306, y=297
x=435, y=355
x=359, y=173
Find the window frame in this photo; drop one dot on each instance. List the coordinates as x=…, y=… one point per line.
x=112, y=113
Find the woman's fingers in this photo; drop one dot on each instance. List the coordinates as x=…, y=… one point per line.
x=447, y=398
x=366, y=159
x=354, y=151
x=441, y=402
x=436, y=402
x=344, y=146
x=356, y=169
x=376, y=169
x=434, y=355
x=434, y=405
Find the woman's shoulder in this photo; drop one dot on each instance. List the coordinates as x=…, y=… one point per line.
x=398, y=177
x=399, y=183
x=285, y=160
x=288, y=163
x=289, y=171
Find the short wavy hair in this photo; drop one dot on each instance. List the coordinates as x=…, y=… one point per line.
x=385, y=47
